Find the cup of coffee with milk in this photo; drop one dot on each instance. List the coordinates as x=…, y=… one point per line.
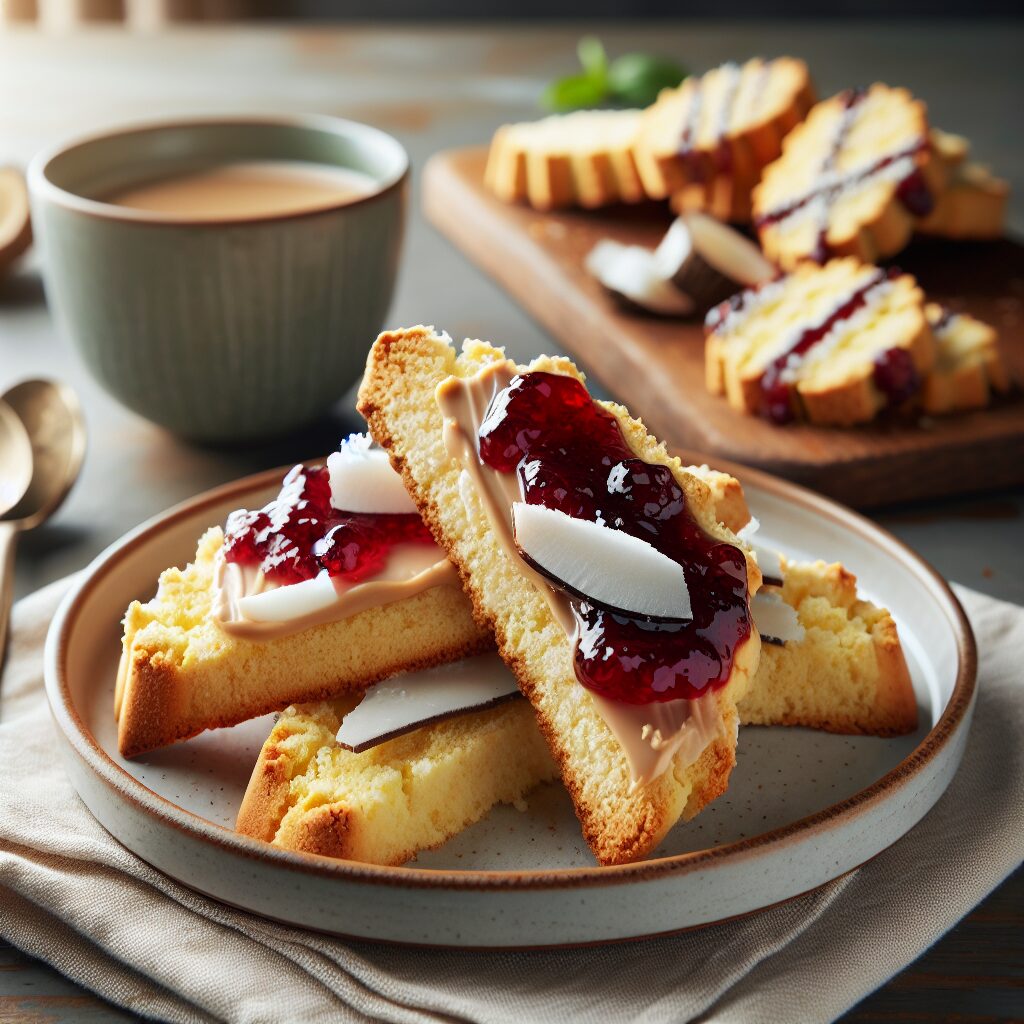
x=223, y=278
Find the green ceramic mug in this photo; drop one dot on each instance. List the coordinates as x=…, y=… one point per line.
x=221, y=330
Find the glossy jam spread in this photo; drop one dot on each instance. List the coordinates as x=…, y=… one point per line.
x=300, y=533
x=775, y=390
x=570, y=455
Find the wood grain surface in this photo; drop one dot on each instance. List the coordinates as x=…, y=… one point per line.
x=655, y=365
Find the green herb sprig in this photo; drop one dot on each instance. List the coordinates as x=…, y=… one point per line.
x=632, y=80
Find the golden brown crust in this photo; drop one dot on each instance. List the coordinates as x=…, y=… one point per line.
x=619, y=824
x=266, y=796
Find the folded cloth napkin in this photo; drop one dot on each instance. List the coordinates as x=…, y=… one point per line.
x=73, y=896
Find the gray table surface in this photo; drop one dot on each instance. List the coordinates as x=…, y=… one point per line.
x=435, y=88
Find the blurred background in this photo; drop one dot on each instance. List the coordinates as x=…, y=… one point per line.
x=153, y=13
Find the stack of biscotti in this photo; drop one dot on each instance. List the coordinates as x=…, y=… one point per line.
x=581, y=159
x=706, y=142
x=844, y=671
x=841, y=343
x=408, y=781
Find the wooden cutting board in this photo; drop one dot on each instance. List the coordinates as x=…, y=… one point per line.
x=656, y=366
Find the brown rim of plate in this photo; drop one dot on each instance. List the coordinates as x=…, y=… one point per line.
x=85, y=746
x=38, y=180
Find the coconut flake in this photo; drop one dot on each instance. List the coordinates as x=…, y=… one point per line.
x=608, y=567
x=362, y=479
x=776, y=621
x=296, y=600
x=415, y=699
x=769, y=560
x=629, y=272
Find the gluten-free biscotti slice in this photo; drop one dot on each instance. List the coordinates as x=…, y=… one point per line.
x=651, y=736
x=834, y=345
x=969, y=369
x=706, y=142
x=973, y=206
x=384, y=804
x=844, y=671
x=300, y=600
x=580, y=159
x=852, y=179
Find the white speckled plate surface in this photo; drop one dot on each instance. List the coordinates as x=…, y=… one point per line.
x=802, y=807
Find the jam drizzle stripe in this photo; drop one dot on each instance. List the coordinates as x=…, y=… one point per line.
x=776, y=392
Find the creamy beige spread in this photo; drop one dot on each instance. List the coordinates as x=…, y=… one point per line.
x=651, y=735
x=410, y=569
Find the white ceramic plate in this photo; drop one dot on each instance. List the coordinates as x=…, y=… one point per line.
x=802, y=807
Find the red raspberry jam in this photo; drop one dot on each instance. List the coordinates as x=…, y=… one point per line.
x=896, y=376
x=570, y=455
x=300, y=533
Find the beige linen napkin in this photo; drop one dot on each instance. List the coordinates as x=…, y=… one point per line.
x=72, y=895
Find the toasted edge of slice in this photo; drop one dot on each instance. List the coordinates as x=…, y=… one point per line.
x=180, y=674
x=620, y=822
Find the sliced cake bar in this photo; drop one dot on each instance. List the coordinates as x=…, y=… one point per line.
x=969, y=368
x=684, y=748
x=706, y=142
x=580, y=159
x=851, y=181
x=834, y=345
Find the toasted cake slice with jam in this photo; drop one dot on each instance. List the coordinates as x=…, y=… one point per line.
x=969, y=370
x=834, y=345
x=706, y=142
x=580, y=159
x=640, y=713
x=332, y=586
x=852, y=180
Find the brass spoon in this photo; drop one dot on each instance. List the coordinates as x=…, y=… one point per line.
x=52, y=420
x=15, y=459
